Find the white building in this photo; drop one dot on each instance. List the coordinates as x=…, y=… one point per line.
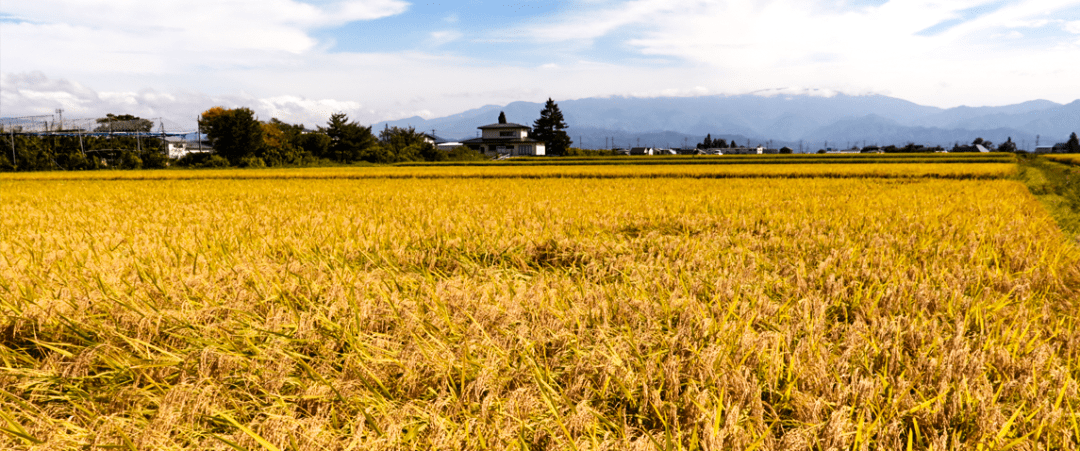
x=506, y=139
x=448, y=146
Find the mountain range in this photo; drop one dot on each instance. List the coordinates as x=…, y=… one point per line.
x=801, y=121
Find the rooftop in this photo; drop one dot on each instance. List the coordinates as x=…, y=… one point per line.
x=508, y=125
x=500, y=140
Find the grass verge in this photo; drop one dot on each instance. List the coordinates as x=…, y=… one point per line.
x=1057, y=186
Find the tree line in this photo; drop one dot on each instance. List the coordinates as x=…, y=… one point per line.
x=238, y=138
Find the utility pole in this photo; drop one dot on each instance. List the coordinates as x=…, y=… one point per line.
x=60, y=111
x=12, y=131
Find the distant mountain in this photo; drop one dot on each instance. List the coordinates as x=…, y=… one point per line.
x=809, y=120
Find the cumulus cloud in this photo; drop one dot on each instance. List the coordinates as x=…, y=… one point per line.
x=444, y=36
x=27, y=94
x=128, y=35
x=751, y=44
x=177, y=58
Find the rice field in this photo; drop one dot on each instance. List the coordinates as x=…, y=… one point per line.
x=1073, y=159
x=649, y=160
x=667, y=308
x=970, y=170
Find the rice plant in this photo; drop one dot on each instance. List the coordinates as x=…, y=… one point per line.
x=333, y=309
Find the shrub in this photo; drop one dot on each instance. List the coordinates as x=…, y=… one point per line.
x=154, y=160
x=252, y=161
x=464, y=153
x=202, y=160
x=215, y=161
x=128, y=160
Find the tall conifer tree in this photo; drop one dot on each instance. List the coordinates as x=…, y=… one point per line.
x=550, y=127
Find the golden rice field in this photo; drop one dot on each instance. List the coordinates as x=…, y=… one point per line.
x=1073, y=158
x=244, y=310
x=819, y=170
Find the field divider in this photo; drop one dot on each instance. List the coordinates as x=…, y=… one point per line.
x=560, y=176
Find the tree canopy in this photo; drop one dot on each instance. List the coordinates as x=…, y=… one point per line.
x=350, y=141
x=123, y=123
x=550, y=128
x=234, y=133
x=407, y=144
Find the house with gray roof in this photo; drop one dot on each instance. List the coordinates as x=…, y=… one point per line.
x=505, y=139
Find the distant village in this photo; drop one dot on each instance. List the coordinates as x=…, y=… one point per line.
x=235, y=137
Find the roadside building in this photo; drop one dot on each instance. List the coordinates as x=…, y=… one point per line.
x=742, y=150
x=448, y=145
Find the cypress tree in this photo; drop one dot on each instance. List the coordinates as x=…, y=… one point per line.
x=550, y=127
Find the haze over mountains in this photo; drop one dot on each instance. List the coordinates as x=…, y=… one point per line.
x=840, y=120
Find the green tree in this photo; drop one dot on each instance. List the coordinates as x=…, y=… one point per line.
x=1073, y=144
x=502, y=117
x=708, y=142
x=234, y=133
x=407, y=144
x=281, y=144
x=123, y=123
x=1007, y=146
x=316, y=144
x=350, y=142
x=550, y=128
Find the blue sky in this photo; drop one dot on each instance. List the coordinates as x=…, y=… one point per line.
x=301, y=60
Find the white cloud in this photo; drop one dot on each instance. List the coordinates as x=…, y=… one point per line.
x=1013, y=34
x=148, y=35
x=263, y=54
x=444, y=36
x=34, y=94
x=749, y=45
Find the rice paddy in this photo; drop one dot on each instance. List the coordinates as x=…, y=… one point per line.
x=1073, y=159
x=971, y=170
x=817, y=306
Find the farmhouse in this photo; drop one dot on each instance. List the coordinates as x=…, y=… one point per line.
x=178, y=147
x=505, y=139
x=1056, y=148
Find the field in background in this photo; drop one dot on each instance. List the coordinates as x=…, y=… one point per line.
x=630, y=308
x=979, y=170
x=1073, y=159
x=646, y=160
